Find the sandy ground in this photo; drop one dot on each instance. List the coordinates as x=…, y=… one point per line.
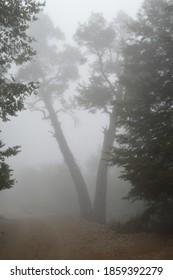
x=46, y=239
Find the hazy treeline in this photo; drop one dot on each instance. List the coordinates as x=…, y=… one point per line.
x=48, y=190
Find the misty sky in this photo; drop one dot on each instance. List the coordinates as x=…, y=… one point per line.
x=66, y=14
x=28, y=129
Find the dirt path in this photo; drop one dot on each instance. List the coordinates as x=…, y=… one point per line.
x=71, y=239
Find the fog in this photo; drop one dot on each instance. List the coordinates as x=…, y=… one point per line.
x=44, y=185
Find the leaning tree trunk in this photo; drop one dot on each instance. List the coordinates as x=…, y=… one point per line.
x=99, y=210
x=78, y=180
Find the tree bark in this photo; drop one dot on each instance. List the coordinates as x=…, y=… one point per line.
x=78, y=180
x=99, y=209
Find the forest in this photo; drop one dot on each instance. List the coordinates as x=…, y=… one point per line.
x=119, y=70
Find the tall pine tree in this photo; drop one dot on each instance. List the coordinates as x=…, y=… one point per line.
x=145, y=115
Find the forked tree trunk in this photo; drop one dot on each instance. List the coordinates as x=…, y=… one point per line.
x=78, y=180
x=98, y=213
x=99, y=209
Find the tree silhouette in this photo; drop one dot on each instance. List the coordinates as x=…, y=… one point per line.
x=101, y=41
x=55, y=67
x=145, y=145
x=15, y=49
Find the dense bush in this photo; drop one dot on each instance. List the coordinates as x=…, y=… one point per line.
x=151, y=220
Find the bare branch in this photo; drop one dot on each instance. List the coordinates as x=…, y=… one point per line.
x=104, y=74
x=35, y=108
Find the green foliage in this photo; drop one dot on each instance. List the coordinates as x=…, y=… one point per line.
x=132, y=225
x=95, y=95
x=55, y=65
x=145, y=115
x=101, y=43
x=6, y=181
x=96, y=34
x=15, y=49
x=97, y=38
x=155, y=219
x=12, y=97
x=14, y=19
